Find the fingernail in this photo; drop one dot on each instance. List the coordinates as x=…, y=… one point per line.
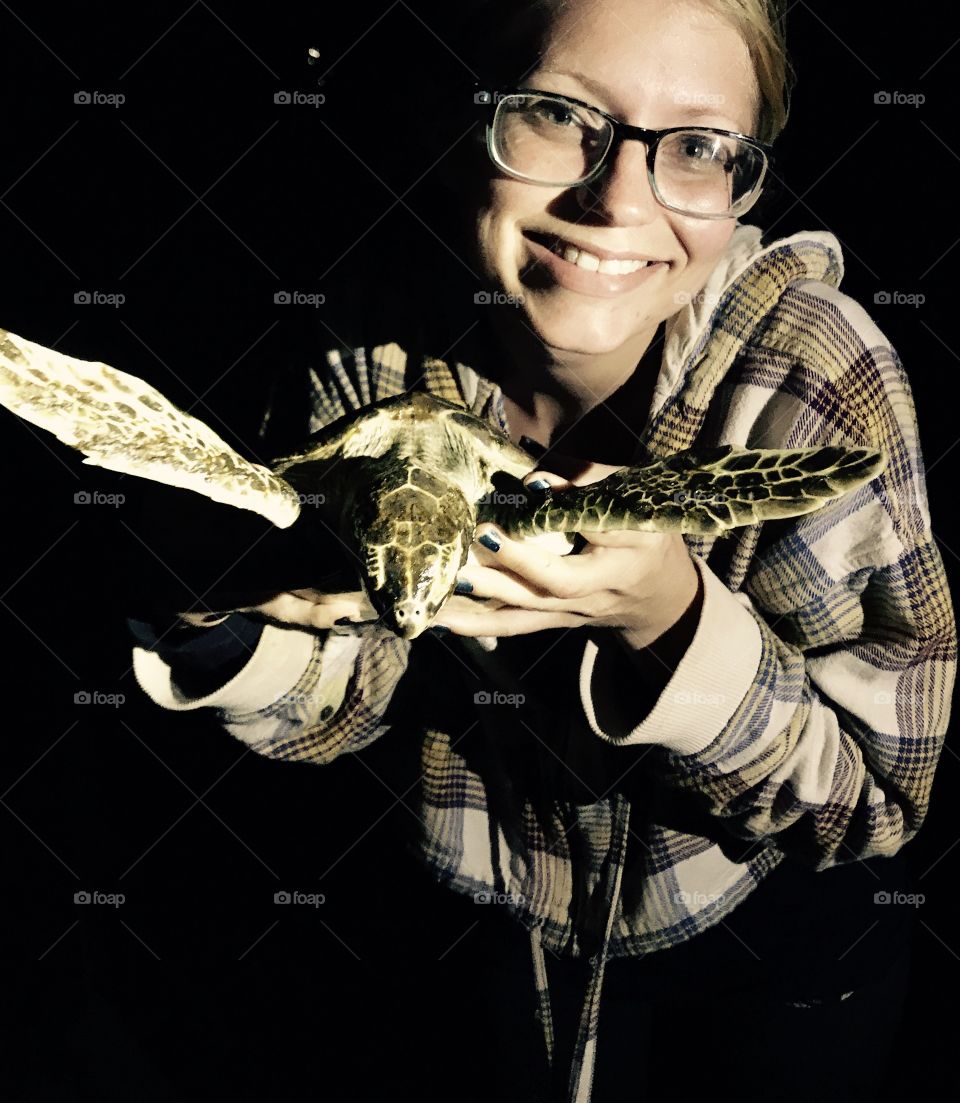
x=538, y=484
x=532, y=446
x=489, y=542
x=438, y=630
x=463, y=586
x=345, y=620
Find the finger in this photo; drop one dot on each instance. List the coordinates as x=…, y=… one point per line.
x=563, y=576
x=508, y=588
x=570, y=470
x=507, y=621
x=289, y=609
x=539, y=481
x=645, y=542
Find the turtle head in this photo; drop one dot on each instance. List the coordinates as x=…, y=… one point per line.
x=413, y=532
x=409, y=618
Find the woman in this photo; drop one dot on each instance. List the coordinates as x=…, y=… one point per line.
x=673, y=738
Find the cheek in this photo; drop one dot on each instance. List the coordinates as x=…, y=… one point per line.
x=704, y=242
x=502, y=205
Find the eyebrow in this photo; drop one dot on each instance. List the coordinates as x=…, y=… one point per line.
x=685, y=111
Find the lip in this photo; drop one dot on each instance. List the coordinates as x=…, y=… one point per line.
x=550, y=240
x=603, y=285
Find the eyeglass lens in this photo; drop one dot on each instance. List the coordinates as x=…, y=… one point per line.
x=549, y=141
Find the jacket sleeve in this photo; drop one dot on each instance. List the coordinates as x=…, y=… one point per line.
x=302, y=695
x=812, y=705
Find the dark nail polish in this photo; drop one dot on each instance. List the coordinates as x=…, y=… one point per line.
x=528, y=444
x=345, y=620
x=463, y=586
x=438, y=630
x=538, y=484
x=489, y=542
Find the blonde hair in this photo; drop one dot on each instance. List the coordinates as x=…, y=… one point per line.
x=762, y=26
x=760, y=23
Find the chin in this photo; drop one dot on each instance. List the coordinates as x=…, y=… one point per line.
x=590, y=329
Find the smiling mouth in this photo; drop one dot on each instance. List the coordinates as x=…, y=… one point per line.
x=582, y=258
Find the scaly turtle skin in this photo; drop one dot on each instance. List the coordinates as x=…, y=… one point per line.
x=405, y=481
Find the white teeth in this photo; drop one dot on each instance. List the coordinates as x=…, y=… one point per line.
x=593, y=263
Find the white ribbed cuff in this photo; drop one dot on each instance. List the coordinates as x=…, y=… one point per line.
x=711, y=680
x=274, y=668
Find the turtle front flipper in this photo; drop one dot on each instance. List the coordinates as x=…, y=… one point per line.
x=123, y=424
x=705, y=491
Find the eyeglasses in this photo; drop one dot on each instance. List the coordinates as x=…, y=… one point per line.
x=558, y=141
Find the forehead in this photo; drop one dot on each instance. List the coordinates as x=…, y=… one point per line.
x=651, y=62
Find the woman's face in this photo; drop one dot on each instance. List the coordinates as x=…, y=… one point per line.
x=650, y=64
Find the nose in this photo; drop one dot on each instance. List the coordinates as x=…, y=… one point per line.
x=622, y=193
x=409, y=618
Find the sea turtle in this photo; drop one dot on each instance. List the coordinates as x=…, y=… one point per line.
x=404, y=481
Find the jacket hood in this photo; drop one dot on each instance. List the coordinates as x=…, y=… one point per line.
x=811, y=254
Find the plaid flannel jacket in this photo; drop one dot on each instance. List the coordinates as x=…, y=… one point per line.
x=807, y=717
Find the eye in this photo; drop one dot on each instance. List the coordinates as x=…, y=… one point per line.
x=556, y=113
x=697, y=147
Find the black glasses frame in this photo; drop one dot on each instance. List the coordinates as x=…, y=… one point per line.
x=622, y=132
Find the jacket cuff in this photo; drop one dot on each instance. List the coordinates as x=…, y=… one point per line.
x=711, y=680
x=276, y=665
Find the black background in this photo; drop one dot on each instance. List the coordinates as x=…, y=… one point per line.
x=198, y=199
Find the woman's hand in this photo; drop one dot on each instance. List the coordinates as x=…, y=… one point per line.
x=640, y=583
x=296, y=608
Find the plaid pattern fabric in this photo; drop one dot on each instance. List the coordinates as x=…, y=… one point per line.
x=829, y=756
